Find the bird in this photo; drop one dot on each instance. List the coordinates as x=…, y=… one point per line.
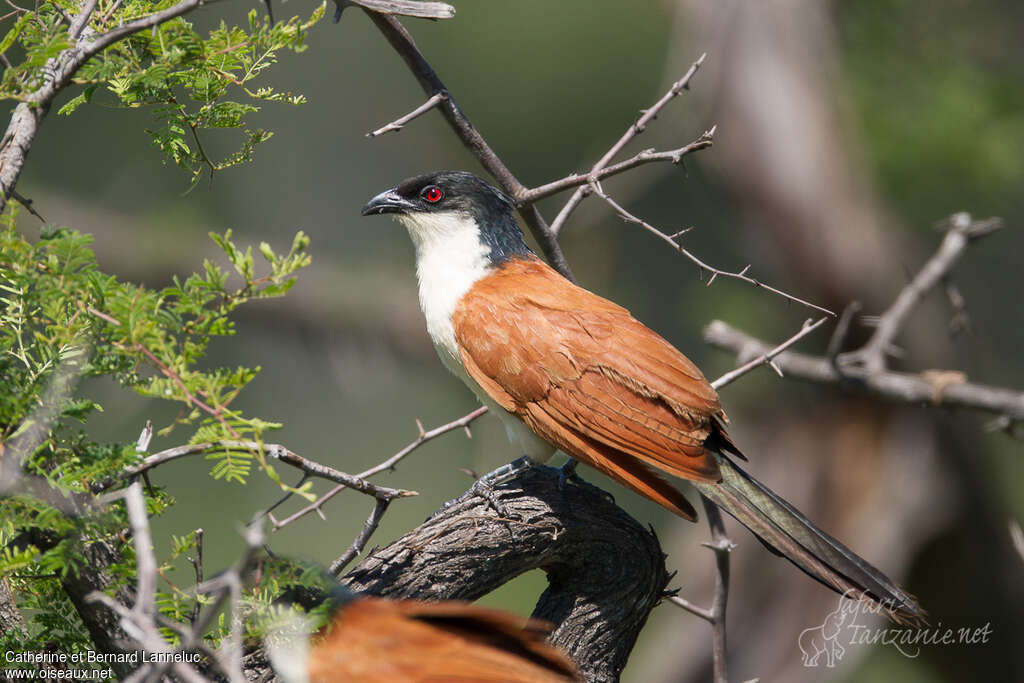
x=379, y=640
x=566, y=369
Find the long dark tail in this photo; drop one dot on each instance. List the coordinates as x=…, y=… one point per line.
x=787, y=531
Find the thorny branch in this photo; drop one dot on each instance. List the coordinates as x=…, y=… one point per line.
x=276, y=451
x=769, y=357
x=961, y=231
x=635, y=129
x=144, y=624
x=865, y=369
x=404, y=45
x=389, y=464
x=715, y=272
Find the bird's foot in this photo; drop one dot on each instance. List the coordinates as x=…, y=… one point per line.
x=485, y=486
x=567, y=473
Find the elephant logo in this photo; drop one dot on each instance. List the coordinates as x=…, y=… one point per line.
x=824, y=640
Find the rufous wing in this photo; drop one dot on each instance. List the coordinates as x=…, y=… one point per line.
x=374, y=640
x=589, y=378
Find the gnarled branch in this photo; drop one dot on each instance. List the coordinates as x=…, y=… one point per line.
x=605, y=571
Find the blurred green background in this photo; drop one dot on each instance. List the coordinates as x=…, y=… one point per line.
x=846, y=131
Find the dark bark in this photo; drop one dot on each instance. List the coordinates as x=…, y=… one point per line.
x=103, y=625
x=606, y=572
x=11, y=618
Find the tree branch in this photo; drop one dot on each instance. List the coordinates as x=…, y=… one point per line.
x=605, y=571
x=389, y=464
x=397, y=124
x=276, y=451
x=635, y=129
x=715, y=272
x=927, y=387
x=645, y=157
x=865, y=370
x=961, y=231
x=359, y=543
x=768, y=358
x=404, y=45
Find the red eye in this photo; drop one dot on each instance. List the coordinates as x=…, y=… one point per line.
x=433, y=194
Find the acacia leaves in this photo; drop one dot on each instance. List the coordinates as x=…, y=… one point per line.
x=192, y=84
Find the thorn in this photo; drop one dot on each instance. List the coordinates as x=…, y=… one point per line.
x=745, y=269
x=776, y=368
x=419, y=426
x=320, y=512
x=712, y=279
x=469, y=432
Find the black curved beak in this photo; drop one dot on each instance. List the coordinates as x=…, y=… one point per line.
x=387, y=201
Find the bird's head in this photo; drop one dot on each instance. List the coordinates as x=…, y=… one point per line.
x=453, y=206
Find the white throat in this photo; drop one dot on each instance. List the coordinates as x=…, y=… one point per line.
x=450, y=258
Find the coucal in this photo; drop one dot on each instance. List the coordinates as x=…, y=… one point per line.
x=402, y=641
x=377, y=640
x=566, y=369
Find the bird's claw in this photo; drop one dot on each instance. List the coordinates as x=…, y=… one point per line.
x=567, y=473
x=485, y=486
x=482, y=488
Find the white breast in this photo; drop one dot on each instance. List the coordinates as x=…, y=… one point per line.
x=450, y=259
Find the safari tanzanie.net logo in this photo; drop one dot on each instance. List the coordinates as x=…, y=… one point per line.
x=851, y=624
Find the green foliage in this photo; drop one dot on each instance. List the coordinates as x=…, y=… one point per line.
x=58, y=310
x=192, y=83
x=62, y=319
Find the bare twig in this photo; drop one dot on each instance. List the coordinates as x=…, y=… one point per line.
x=835, y=343
x=397, y=124
x=865, y=369
x=389, y=464
x=647, y=156
x=714, y=615
x=273, y=450
x=715, y=272
x=140, y=621
x=962, y=230
x=403, y=44
x=722, y=546
x=359, y=543
x=27, y=203
x=766, y=358
x=635, y=129
x=897, y=386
